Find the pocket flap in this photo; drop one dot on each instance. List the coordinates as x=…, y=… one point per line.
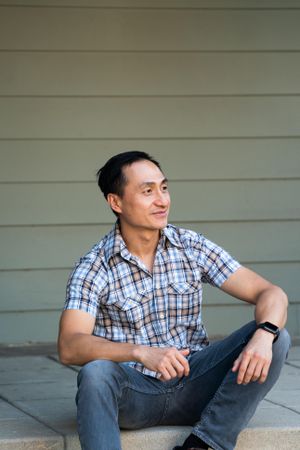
x=184, y=287
x=130, y=302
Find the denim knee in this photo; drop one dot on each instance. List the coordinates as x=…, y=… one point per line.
x=99, y=373
x=282, y=345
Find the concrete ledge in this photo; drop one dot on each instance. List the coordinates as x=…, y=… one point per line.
x=32, y=444
x=165, y=438
x=21, y=432
x=156, y=438
x=269, y=439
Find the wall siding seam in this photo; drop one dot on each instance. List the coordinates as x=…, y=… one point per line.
x=151, y=138
x=171, y=180
x=126, y=96
x=182, y=222
x=16, y=50
x=206, y=304
x=151, y=8
x=242, y=262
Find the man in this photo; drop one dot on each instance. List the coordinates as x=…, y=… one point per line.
x=132, y=319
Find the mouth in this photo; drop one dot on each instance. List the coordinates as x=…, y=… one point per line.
x=161, y=213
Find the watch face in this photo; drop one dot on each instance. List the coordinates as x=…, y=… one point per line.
x=271, y=327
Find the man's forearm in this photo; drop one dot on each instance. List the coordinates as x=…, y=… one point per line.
x=254, y=361
x=271, y=306
x=82, y=348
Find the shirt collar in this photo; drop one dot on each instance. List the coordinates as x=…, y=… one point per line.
x=115, y=243
x=169, y=233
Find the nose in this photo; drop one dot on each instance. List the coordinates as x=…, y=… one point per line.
x=162, y=198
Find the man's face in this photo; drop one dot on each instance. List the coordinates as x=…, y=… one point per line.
x=146, y=200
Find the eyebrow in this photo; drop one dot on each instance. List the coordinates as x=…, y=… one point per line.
x=151, y=183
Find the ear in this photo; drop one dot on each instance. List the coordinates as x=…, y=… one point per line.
x=114, y=202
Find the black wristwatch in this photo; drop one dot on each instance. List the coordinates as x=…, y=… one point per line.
x=271, y=328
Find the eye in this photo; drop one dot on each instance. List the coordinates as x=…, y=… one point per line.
x=165, y=187
x=148, y=191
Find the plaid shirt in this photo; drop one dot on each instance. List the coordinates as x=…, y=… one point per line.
x=162, y=308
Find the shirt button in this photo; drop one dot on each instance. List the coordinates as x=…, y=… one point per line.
x=161, y=316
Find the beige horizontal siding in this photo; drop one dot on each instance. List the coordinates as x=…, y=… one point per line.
x=36, y=290
x=151, y=29
x=185, y=159
x=141, y=117
x=51, y=247
x=65, y=203
x=209, y=87
x=29, y=326
x=119, y=73
x=158, y=4
x=221, y=320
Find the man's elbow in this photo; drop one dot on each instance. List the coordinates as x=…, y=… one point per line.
x=282, y=295
x=272, y=295
x=64, y=352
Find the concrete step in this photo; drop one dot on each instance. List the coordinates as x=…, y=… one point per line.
x=21, y=431
x=33, y=437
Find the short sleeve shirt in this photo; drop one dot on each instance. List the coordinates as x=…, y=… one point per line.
x=161, y=308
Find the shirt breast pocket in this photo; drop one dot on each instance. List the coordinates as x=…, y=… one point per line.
x=184, y=300
x=128, y=312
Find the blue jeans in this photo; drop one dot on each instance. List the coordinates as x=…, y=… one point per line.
x=113, y=395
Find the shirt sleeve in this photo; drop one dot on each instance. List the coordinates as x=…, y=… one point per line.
x=216, y=263
x=86, y=284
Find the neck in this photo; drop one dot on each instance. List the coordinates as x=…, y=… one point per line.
x=140, y=242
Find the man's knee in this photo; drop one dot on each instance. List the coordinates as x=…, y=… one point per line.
x=100, y=373
x=282, y=345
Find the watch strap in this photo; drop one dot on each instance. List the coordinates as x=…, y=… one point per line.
x=271, y=328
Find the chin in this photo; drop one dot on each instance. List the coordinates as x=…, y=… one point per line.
x=161, y=224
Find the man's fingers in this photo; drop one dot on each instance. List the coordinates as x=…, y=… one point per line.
x=185, y=364
x=264, y=373
x=185, y=351
x=254, y=362
x=261, y=372
x=237, y=363
x=164, y=375
x=257, y=372
x=252, y=368
x=243, y=367
x=174, y=365
x=171, y=370
x=250, y=371
x=177, y=368
x=167, y=372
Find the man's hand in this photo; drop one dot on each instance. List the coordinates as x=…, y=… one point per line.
x=254, y=362
x=169, y=362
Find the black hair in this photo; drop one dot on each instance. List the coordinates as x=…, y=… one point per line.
x=111, y=178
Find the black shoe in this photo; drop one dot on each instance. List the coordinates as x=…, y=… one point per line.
x=190, y=448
